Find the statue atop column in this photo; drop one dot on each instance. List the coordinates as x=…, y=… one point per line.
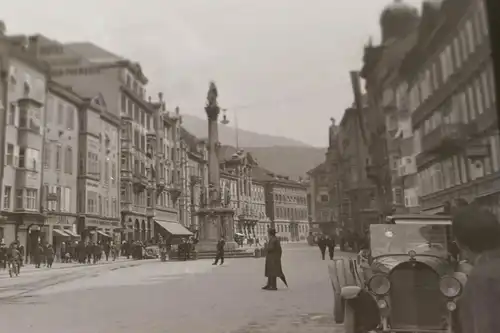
x=332, y=131
x=212, y=106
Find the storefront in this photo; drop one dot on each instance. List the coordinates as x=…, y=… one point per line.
x=101, y=230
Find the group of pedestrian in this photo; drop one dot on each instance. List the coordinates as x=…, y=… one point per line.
x=326, y=242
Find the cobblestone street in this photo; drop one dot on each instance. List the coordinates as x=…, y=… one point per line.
x=173, y=297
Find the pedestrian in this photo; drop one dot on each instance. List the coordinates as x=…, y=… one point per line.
x=37, y=254
x=330, y=244
x=322, y=246
x=477, y=232
x=273, y=269
x=49, y=255
x=107, y=250
x=220, y=251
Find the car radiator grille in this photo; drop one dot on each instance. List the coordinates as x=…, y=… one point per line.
x=415, y=298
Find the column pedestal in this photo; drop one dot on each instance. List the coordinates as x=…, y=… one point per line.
x=215, y=223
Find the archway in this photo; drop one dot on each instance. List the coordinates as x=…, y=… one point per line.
x=137, y=230
x=130, y=233
x=143, y=230
x=149, y=232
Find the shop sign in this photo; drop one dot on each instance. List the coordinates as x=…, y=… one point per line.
x=60, y=220
x=91, y=222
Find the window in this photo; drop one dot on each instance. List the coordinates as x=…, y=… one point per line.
x=23, y=118
x=68, y=161
x=58, y=157
x=67, y=199
x=60, y=113
x=471, y=102
x=479, y=96
x=463, y=44
x=124, y=103
x=47, y=155
x=485, y=89
x=113, y=173
x=19, y=199
x=477, y=28
x=456, y=51
x=470, y=37
x=7, y=193
x=106, y=171
x=49, y=109
x=31, y=195
x=10, y=154
x=483, y=18
x=22, y=158
x=444, y=66
x=70, y=117
x=11, y=120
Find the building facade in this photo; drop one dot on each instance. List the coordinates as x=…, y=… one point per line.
x=286, y=204
x=60, y=164
x=23, y=96
x=399, y=23
x=323, y=213
x=453, y=105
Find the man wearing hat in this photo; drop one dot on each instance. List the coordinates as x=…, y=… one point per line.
x=273, y=268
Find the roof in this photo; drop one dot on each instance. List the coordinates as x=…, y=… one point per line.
x=263, y=175
x=319, y=168
x=190, y=140
x=99, y=56
x=92, y=52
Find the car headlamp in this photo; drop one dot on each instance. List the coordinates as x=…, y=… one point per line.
x=450, y=286
x=379, y=285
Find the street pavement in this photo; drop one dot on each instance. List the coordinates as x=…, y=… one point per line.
x=153, y=297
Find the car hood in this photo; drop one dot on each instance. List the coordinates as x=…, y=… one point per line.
x=386, y=264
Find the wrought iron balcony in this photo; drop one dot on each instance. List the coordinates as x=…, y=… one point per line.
x=446, y=138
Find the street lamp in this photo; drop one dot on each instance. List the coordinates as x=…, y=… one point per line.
x=224, y=120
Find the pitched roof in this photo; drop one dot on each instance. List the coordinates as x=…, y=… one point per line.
x=92, y=52
x=319, y=168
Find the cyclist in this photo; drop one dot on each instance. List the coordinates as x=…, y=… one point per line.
x=14, y=257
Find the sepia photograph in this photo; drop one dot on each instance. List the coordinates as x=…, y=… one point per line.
x=230, y=166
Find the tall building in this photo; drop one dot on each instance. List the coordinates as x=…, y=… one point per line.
x=148, y=131
x=399, y=23
x=453, y=108
x=194, y=179
x=24, y=87
x=60, y=164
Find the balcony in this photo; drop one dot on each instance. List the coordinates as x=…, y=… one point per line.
x=126, y=144
x=445, y=139
x=174, y=191
x=140, y=181
x=483, y=122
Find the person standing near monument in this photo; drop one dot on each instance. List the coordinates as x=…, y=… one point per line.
x=220, y=251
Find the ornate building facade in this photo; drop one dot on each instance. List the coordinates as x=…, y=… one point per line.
x=286, y=204
x=24, y=87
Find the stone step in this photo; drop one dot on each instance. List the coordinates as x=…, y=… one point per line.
x=212, y=254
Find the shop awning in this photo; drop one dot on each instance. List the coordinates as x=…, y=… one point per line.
x=59, y=233
x=174, y=228
x=71, y=233
x=102, y=233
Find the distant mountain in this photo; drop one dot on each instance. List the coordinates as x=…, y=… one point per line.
x=227, y=136
x=288, y=161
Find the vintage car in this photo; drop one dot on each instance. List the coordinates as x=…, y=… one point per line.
x=408, y=281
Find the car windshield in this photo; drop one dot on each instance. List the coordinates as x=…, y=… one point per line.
x=400, y=239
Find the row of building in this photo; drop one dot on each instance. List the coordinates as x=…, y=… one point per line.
x=425, y=132
x=87, y=155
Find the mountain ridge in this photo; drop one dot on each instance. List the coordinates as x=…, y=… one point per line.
x=246, y=138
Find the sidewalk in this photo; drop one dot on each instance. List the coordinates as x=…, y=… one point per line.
x=30, y=269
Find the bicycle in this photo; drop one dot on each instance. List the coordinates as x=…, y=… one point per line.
x=13, y=268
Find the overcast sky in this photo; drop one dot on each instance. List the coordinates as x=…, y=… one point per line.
x=282, y=65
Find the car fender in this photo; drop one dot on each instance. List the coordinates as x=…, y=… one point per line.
x=350, y=292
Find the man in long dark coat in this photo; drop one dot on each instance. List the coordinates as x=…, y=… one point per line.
x=220, y=251
x=273, y=261
x=322, y=246
x=478, y=235
x=330, y=244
